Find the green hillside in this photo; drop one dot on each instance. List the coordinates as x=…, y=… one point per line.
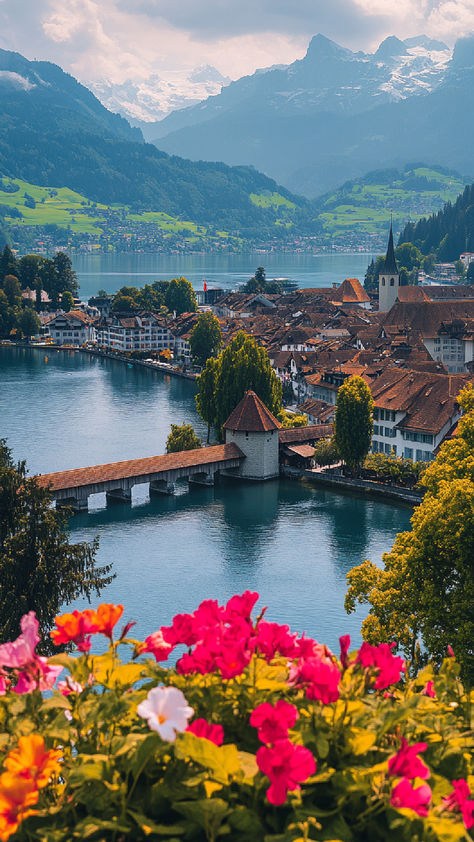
x=366, y=204
x=448, y=233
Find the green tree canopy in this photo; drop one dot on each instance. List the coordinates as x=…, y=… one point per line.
x=425, y=593
x=39, y=569
x=29, y=270
x=12, y=289
x=8, y=264
x=180, y=296
x=29, y=322
x=206, y=338
x=206, y=396
x=182, y=437
x=241, y=366
x=67, y=301
x=353, y=421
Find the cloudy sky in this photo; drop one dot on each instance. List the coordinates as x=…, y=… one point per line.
x=122, y=39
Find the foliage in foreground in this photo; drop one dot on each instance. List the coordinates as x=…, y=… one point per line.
x=39, y=569
x=425, y=593
x=182, y=437
x=256, y=734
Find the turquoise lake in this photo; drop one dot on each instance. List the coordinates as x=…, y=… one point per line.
x=290, y=541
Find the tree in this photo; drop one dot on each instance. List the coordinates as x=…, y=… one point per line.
x=182, y=437
x=123, y=303
x=326, y=452
x=39, y=569
x=206, y=338
x=425, y=593
x=353, y=421
x=7, y=263
x=241, y=366
x=180, y=296
x=67, y=301
x=66, y=277
x=260, y=275
x=206, y=396
x=29, y=270
x=29, y=322
x=12, y=289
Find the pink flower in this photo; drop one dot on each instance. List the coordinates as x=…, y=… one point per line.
x=344, y=643
x=22, y=650
x=156, y=645
x=204, y=729
x=286, y=766
x=320, y=677
x=429, y=690
x=273, y=722
x=182, y=630
x=389, y=667
x=208, y=616
x=273, y=637
x=450, y=651
x=200, y=661
x=405, y=796
x=69, y=686
x=241, y=605
x=406, y=764
x=307, y=647
x=460, y=801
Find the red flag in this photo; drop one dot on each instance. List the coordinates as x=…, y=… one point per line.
x=205, y=286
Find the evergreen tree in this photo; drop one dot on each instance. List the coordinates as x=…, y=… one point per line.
x=206, y=396
x=206, y=338
x=67, y=301
x=8, y=265
x=39, y=569
x=353, y=421
x=182, y=437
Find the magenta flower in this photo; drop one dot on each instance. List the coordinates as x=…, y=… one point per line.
x=273, y=637
x=233, y=660
x=429, y=690
x=286, y=766
x=241, y=605
x=460, y=801
x=388, y=667
x=320, y=677
x=405, y=796
x=202, y=728
x=273, y=722
x=182, y=630
x=344, y=643
x=406, y=764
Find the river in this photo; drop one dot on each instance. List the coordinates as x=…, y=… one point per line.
x=290, y=541
x=112, y=271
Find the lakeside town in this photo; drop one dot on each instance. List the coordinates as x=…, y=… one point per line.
x=413, y=346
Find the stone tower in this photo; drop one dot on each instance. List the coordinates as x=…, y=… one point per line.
x=389, y=278
x=255, y=430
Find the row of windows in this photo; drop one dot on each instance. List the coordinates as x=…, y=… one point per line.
x=389, y=433
x=380, y=447
x=425, y=438
x=392, y=281
x=384, y=414
x=419, y=455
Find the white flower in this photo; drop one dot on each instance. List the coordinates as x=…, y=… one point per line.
x=166, y=711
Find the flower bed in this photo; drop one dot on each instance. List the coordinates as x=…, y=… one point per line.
x=257, y=734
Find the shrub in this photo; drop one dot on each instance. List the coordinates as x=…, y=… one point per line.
x=255, y=734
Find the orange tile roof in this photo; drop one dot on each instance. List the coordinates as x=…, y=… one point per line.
x=305, y=434
x=251, y=416
x=139, y=467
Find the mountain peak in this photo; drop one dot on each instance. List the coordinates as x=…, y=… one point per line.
x=322, y=47
x=426, y=43
x=391, y=47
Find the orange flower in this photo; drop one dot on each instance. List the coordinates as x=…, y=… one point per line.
x=30, y=760
x=75, y=628
x=16, y=796
x=108, y=615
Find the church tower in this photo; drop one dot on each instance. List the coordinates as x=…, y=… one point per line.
x=389, y=278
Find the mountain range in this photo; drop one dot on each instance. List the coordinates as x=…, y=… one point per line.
x=55, y=133
x=336, y=114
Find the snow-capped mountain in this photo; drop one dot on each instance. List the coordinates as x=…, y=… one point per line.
x=152, y=99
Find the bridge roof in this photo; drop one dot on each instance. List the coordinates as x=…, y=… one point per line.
x=78, y=477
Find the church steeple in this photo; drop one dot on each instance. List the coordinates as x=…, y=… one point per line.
x=389, y=278
x=390, y=266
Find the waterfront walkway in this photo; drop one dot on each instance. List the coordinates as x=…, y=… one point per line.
x=72, y=488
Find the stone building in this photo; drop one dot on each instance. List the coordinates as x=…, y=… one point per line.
x=254, y=429
x=389, y=278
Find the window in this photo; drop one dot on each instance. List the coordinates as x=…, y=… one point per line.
x=376, y=430
x=394, y=448
x=382, y=415
x=383, y=282
x=419, y=456
x=387, y=432
x=376, y=415
x=388, y=449
x=408, y=453
x=392, y=281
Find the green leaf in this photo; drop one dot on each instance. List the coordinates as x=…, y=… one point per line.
x=148, y=826
x=58, y=701
x=222, y=761
x=147, y=748
x=248, y=765
x=208, y=813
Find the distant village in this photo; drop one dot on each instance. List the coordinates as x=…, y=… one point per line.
x=413, y=346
